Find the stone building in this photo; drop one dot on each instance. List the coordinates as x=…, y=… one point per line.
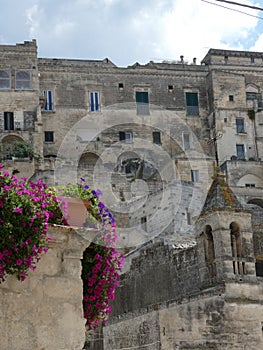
x=150, y=137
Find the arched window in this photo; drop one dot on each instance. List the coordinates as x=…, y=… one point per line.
x=4, y=79
x=209, y=250
x=23, y=80
x=236, y=249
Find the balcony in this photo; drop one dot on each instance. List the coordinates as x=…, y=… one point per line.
x=142, y=108
x=192, y=110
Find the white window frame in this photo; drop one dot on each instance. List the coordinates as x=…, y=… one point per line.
x=195, y=175
x=49, y=104
x=94, y=101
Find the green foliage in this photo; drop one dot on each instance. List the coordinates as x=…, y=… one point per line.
x=23, y=150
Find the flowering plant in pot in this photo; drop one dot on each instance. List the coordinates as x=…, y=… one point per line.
x=76, y=200
x=101, y=261
x=26, y=208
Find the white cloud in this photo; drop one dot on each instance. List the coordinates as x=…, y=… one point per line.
x=191, y=27
x=127, y=31
x=32, y=16
x=62, y=27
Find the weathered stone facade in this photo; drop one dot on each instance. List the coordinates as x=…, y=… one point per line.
x=150, y=136
x=45, y=311
x=208, y=296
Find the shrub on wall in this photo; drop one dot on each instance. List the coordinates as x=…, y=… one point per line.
x=26, y=207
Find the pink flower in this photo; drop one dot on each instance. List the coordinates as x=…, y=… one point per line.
x=18, y=210
x=19, y=262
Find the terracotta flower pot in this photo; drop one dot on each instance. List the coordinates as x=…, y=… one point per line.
x=76, y=211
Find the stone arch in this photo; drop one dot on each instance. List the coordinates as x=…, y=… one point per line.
x=251, y=88
x=8, y=143
x=89, y=160
x=236, y=249
x=250, y=179
x=209, y=249
x=127, y=162
x=236, y=246
x=256, y=201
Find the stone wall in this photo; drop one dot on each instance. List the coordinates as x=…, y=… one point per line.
x=45, y=311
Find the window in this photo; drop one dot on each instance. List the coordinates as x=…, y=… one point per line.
x=144, y=223
x=195, y=175
x=186, y=141
x=170, y=88
x=251, y=95
x=209, y=250
x=157, y=137
x=8, y=120
x=188, y=217
x=121, y=86
x=4, y=80
x=49, y=136
x=192, y=105
x=240, y=127
x=240, y=151
x=250, y=185
x=94, y=102
x=125, y=136
x=142, y=103
x=236, y=249
x=231, y=98
x=23, y=80
x=259, y=270
x=48, y=100
x=252, y=59
x=225, y=120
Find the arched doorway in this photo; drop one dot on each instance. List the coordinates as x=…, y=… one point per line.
x=8, y=144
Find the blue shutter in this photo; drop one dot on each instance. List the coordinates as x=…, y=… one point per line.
x=91, y=101
x=96, y=101
x=49, y=100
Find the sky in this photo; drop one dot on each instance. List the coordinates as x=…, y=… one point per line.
x=130, y=31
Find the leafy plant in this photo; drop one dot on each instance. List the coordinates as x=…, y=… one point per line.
x=23, y=150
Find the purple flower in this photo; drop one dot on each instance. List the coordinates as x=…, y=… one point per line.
x=19, y=262
x=18, y=210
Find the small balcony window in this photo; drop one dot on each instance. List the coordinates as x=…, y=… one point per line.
x=142, y=103
x=192, y=104
x=240, y=126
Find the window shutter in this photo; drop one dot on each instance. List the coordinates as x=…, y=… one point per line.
x=92, y=101
x=9, y=120
x=156, y=137
x=191, y=99
x=96, y=101
x=142, y=97
x=122, y=135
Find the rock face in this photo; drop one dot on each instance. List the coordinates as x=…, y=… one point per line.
x=45, y=311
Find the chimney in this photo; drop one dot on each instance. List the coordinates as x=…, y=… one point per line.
x=182, y=58
x=194, y=60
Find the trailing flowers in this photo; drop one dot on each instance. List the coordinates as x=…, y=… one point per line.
x=101, y=262
x=26, y=208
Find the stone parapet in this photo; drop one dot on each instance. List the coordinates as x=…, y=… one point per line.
x=45, y=311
